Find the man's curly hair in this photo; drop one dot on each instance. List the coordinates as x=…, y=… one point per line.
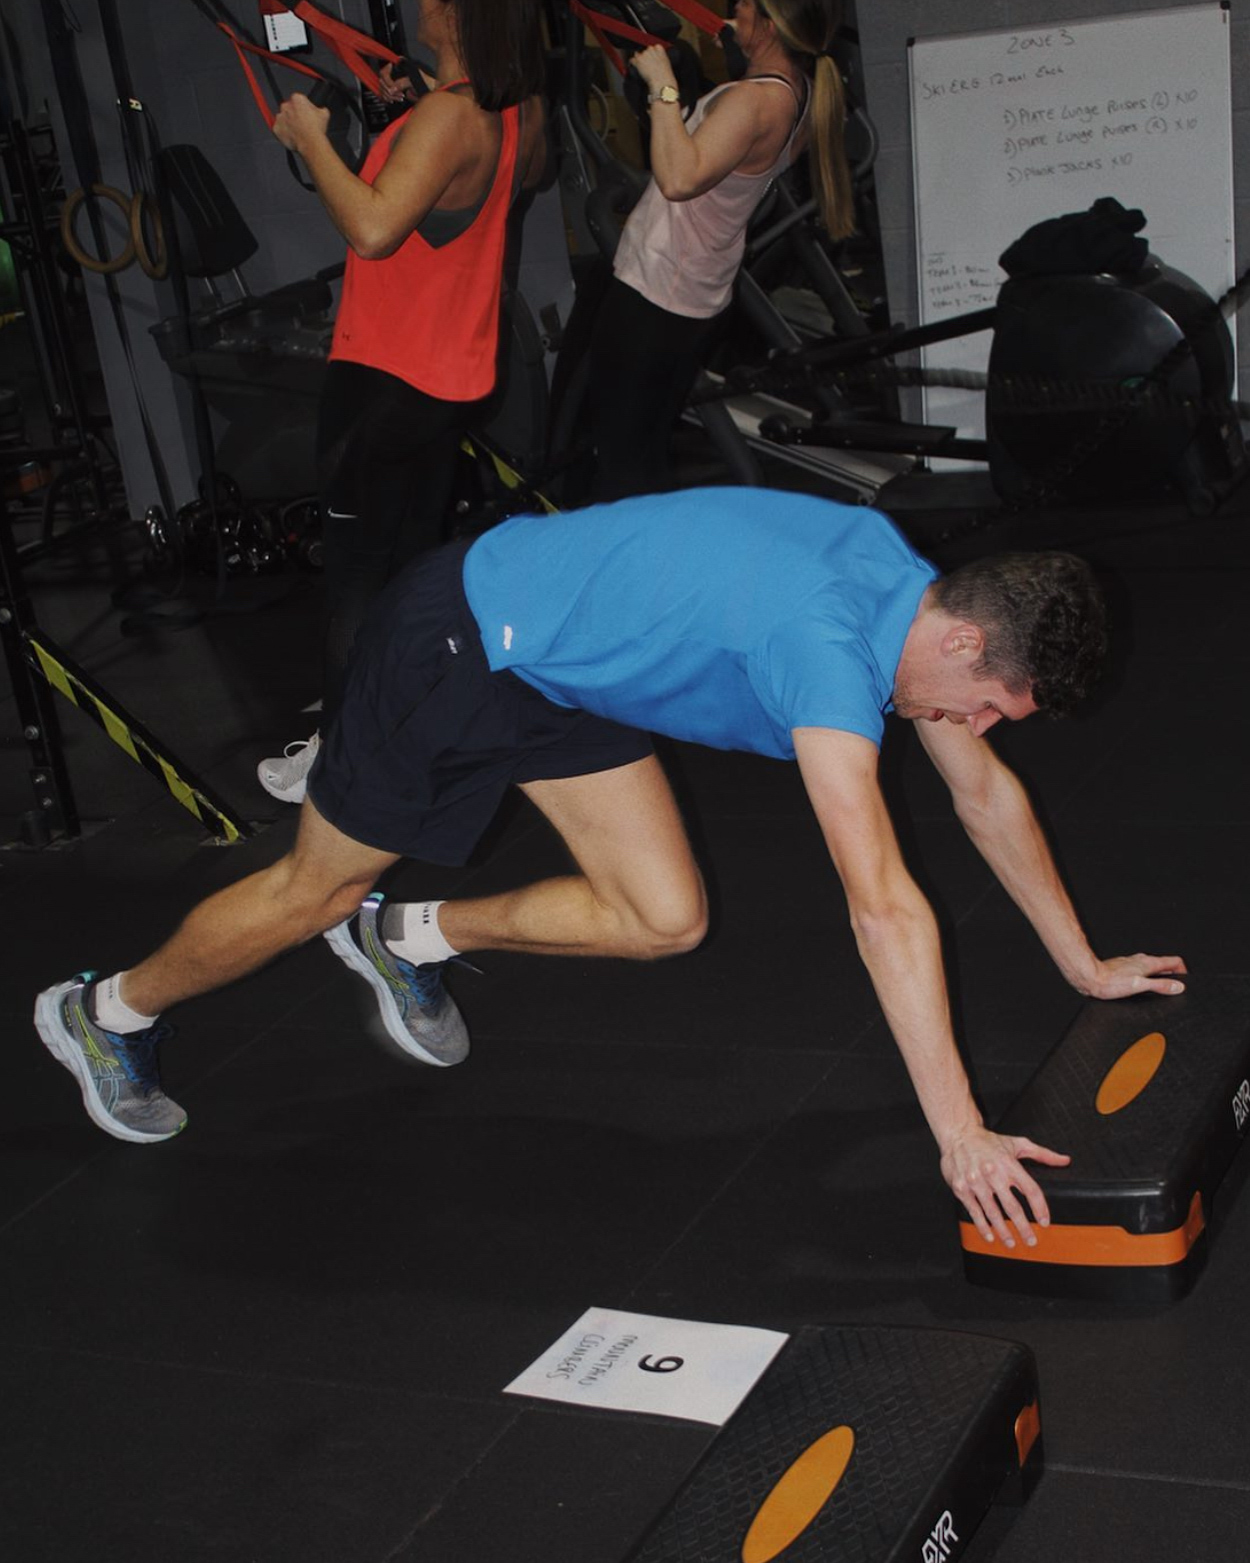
x=1044, y=621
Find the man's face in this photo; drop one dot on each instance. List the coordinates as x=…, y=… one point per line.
x=947, y=691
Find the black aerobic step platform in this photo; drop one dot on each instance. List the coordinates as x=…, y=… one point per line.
x=1151, y=1099
x=861, y=1445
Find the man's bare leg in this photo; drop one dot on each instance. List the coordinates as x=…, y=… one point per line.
x=319, y=883
x=639, y=893
x=113, y=1057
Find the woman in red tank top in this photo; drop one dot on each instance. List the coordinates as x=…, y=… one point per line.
x=417, y=330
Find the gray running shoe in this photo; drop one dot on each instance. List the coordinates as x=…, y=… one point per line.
x=418, y=1012
x=117, y=1075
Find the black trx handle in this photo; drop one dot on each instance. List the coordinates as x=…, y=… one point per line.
x=325, y=91
x=735, y=60
x=345, y=117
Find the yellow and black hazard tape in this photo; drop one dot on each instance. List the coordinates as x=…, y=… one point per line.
x=130, y=736
x=475, y=446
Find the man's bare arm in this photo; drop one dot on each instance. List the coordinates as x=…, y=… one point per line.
x=898, y=941
x=994, y=809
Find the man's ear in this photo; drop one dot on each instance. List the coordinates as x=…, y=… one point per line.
x=963, y=640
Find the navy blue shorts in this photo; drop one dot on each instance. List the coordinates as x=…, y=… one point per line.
x=428, y=739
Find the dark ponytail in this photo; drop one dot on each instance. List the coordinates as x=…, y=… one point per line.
x=501, y=44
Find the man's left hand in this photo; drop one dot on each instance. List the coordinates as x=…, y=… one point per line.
x=1126, y=975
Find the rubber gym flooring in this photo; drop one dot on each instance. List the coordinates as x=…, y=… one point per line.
x=283, y=1337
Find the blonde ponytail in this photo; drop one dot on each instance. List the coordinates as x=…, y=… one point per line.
x=831, y=174
x=808, y=28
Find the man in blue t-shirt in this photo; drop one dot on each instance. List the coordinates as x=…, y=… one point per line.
x=542, y=656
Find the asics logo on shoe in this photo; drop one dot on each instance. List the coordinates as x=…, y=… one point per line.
x=90, y=1046
x=375, y=955
x=419, y=1016
x=406, y=981
x=118, y=1076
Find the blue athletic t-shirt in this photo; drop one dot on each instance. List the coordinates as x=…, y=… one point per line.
x=726, y=616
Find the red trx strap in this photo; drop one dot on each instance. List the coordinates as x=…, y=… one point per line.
x=353, y=48
x=603, y=26
x=243, y=48
x=706, y=21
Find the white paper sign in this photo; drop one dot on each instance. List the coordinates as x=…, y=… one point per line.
x=666, y=1367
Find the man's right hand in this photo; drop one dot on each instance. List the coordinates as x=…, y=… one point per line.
x=985, y=1173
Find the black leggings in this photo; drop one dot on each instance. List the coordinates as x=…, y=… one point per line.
x=643, y=362
x=386, y=461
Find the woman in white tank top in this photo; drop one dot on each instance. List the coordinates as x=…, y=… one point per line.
x=683, y=244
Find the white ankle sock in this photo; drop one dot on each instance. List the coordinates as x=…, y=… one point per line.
x=111, y=1011
x=420, y=939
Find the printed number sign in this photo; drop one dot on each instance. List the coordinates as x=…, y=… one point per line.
x=638, y=1362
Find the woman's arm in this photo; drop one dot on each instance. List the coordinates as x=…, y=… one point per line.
x=427, y=154
x=685, y=165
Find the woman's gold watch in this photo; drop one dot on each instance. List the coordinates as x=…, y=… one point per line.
x=667, y=94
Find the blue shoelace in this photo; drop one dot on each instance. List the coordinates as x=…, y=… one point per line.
x=137, y=1054
x=425, y=981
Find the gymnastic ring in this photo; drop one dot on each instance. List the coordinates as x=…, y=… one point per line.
x=70, y=211
x=154, y=265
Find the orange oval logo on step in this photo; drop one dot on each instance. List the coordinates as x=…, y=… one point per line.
x=1131, y=1073
x=799, y=1496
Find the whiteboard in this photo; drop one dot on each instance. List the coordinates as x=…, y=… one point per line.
x=1011, y=128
